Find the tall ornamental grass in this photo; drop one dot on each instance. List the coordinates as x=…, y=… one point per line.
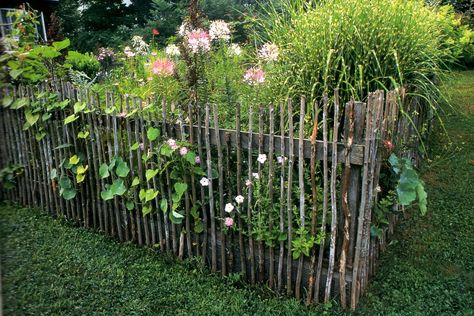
x=357, y=46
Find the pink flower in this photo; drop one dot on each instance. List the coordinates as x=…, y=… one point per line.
x=183, y=151
x=198, y=40
x=229, y=221
x=197, y=160
x=248, y=183
x=254, y=76
x=122, y=114
x=388, y=145
x=142, y=146
x=163, y=66
x=171, y=142
x=155, y=32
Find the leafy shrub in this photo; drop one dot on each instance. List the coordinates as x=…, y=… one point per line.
x=86, y=63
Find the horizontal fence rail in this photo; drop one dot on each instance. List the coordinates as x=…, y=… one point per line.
x=285, y=197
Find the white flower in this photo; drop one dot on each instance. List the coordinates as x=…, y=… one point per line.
x=128, y=52
x=139, y=45
x=219, y=30
x=229, y=208
x=378, y=189
x=183, y=29
x=239, y=199
x=172, y=50
x=204, y=182
x=262, y=158
x=235, y=50
x=269, y=52
x=280, y=159
x=255, y=175
x=248, y=183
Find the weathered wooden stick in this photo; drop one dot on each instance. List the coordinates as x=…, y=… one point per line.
x=240, y=227
x=349, y=127
x=193, y=178
x=187, y=202
x=145, y=218
x=220, y=168
x=291, y=157
x=205, y=221
x=325, y=199
x=282, y=200
x=211, y=194
x=251, y=255
x=134, y=219
x=314, y=207
x=334, y=217
x=271, y=175
x=261, y=258
x=299, y=273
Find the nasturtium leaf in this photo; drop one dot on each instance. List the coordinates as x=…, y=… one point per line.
x=6, y=101
x=130, y=205
x=106, y=195
x=122, y=169
x=176, y=218
x=164, y=205
x=198, y=226
x=80, y=177
x=19, y=103
x=190, y=157
x=135, y=146
x=82, y=169
x=422, y=198
x=71, y=118
x=146, y=209
x=152, y=133
x=79, y=106
x=145, y=157
x=117, y=187
x=166, y=150
x=40, y=135
x=142, y=194
x=112, y=164
x=150, y=195
x=31, y=118
x=45, y=116
x=104, y=171
x=180, y=188
x=69, y=194
x=82, y=134
x=135, y=182
x=109, y=110
x=74, y=160
x=151, y=173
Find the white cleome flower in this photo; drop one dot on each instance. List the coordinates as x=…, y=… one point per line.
x=262, y=158
x=204, y=182
x=229, y=208
x=235, y=50
x=269, y=52
x=139, y=45
x=239, y=199
x=172, y=50
x=219, y=30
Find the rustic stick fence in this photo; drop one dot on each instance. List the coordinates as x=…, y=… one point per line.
x=305, y=225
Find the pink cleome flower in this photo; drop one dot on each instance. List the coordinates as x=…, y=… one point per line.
x=254, y=76
x=229, y=221
x=198, y=40
x=163, y=66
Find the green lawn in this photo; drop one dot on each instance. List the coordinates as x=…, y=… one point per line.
x=51, y=268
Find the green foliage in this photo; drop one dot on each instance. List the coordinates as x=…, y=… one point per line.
x=357, y=47
x=409, y=186
x=9, y=174
x=86, y=63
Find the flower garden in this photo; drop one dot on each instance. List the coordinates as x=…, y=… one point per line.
x=285, y=163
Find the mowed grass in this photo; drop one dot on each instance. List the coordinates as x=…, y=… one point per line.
x=50, y=267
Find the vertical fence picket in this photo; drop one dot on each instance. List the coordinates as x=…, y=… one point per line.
x=251, y=255
x=205, y=221
x=319, y=268
x=299, y=273
x=261, y=258
x=289, y=202
x=281, y=254
x=211, y=192
x=240, y=226
x=271, y=175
